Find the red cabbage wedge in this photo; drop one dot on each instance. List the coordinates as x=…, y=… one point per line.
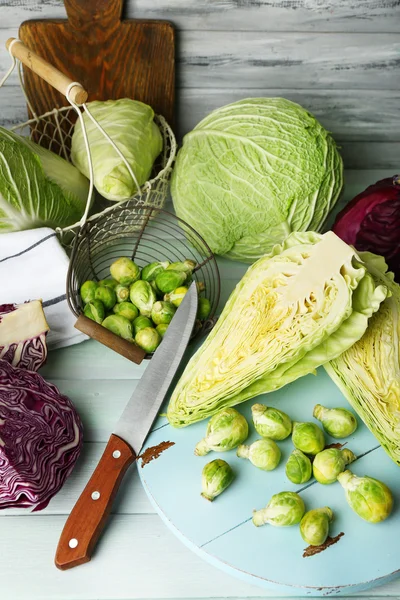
x=40, y=438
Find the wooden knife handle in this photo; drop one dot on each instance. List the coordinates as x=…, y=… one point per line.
x=88, y=517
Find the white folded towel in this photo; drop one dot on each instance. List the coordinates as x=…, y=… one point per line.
x=33, y=266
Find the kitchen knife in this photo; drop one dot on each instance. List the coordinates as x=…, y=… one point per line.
x=88, y=517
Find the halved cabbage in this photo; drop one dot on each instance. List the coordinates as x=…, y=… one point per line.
x=368, y=373
x=296, y=308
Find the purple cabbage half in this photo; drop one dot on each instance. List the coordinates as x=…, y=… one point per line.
x=40, y=438
x=23, y=330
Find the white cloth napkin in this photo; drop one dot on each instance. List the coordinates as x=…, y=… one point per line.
x=33, y=266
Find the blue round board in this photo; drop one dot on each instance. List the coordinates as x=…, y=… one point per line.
x=222, y=531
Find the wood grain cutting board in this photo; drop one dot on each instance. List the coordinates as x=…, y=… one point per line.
x=110, y=57
x=222, y=531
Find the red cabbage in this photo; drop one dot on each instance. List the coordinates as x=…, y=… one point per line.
x=40, y=438
x=371, y=221
x=23, y=330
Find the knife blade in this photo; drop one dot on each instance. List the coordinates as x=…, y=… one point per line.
x=89, y=515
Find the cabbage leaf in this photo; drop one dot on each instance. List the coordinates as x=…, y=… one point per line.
x=368, y=373
x=295, y=309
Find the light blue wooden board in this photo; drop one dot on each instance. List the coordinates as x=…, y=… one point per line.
x=222, y=532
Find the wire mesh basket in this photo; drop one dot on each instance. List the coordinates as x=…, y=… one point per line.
x=137, y=227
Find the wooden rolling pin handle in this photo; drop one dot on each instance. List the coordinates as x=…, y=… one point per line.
x=109, y=339
x=47, y=72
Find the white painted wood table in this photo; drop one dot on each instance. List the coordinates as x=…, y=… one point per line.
x=137, y=557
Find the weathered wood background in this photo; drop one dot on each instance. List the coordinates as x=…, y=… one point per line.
x=338, y=58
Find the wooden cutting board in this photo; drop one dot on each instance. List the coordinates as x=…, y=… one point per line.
x=110, y=57
x=222, y=531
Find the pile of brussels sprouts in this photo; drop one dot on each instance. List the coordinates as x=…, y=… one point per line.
x=228, y=429
x=138, y=304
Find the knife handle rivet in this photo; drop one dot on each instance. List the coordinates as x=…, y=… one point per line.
x=73, y=543
x=117, y=454
x=95, y=495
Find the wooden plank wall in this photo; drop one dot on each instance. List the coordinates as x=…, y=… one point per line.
x=338, y=58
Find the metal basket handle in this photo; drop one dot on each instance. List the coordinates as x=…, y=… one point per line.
x=72, y=90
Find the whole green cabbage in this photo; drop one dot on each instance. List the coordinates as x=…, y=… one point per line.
x=37, y=187
x=295, y=309
x=254, y=171
x=130, y=124
x=368, y=373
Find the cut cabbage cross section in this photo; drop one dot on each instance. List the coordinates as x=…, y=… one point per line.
x=295, y=309
x=368, y=373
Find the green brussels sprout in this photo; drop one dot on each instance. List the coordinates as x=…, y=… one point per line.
x=125, y=271
x=162, y=312
x=169, y=280
x=314, y=526
x=371, y=499
x=87, y=291
x=127, y=310
x=308, y=438
x=269, y=422
x=203, y=309
x=283, y=510
x=143, y=296
x=140, y=323
x=186, y=266
x=216, y=476
x=201, y=286
x=162, y=328
x=263, y=454
x=330, y=462
x=148, y=338
x=95, y=310
x=337, y=422
x=109, y=283
x=106, y=295
x=298, y=467
x=150, y=272
x=225, y=430
x=119, y=325
x=122, y=293
x=176, y=296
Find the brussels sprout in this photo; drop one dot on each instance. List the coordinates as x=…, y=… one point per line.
x=201, y=286
x=162, y=312
x=148, y=338
x=162, y=328
x=169, y=280
x=106, y=295
x=314, y=526
x=225, y=430
x=308, y=438
x=216, y=476
x=122, y=293
x=283, y=510
x=127, y=310
x=369, y=498
x=186, y=266
x=125, y=271
x=95, y=310
x=263, y=454
x=337, y=422
x=143, y=296
x=298, y=467
x=119, y=325
x=87, y=291
x=140, y=323
x=176, y=296
x=203, y=309
x=109, y=283
x=269, y=422
x=150, y=272
x=330, y=462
